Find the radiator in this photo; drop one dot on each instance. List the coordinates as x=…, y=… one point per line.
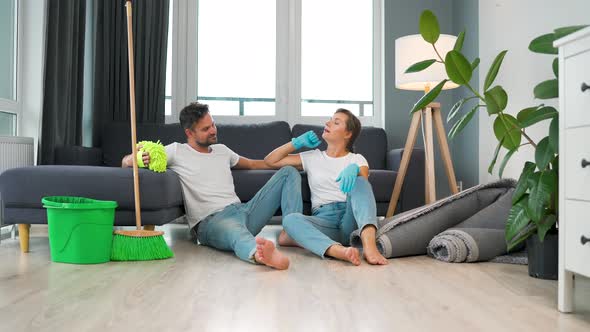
x=15, y=152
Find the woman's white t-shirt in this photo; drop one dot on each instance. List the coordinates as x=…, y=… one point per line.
x=322, y=171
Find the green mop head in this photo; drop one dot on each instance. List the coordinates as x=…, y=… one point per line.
x=139, y=245
x=157, y=155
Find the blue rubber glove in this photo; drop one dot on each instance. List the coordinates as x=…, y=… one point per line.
x=348, y=177
x=308, y=140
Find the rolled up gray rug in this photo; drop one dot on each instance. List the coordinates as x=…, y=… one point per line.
x=411, y=232
x=479, y=238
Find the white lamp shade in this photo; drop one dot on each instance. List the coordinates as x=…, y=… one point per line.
x=413, y=48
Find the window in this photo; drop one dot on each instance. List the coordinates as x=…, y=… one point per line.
x=8, y=40
x=7, y=124
x=168, y=98
x=236, y=56
x=8, y=67
x=336, y=57
x=264, y=60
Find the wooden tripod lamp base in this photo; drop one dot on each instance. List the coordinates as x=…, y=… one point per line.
x=428, y=116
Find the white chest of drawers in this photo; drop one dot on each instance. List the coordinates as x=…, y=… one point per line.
x=574, y=163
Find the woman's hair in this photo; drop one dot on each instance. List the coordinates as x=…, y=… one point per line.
x=192, y=113
x=353, y=124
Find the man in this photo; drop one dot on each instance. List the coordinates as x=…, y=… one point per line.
x=214, y=211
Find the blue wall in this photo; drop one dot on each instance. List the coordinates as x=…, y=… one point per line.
x=400, y=19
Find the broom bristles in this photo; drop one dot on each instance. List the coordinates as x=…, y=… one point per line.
x=142, y=246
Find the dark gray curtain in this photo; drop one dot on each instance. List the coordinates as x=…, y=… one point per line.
x=111, y=70
x=64, y=77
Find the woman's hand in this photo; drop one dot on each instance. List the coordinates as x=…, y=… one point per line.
x=347, y=177
x=308, y=140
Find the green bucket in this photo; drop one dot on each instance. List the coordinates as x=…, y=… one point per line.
x=80, y=229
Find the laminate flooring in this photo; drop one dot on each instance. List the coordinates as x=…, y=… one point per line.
x=202, y=289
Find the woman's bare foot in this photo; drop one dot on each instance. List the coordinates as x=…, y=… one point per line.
x=286, y=241
x=372, y=255
x=349, y=254
x=267, y=254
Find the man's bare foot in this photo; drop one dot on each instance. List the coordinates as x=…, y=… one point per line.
x=349, y=254
x=267, y=254
x=286, y=241
x=374, y=257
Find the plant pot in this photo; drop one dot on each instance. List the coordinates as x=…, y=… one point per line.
x=543, y=256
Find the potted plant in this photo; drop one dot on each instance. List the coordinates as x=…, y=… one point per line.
x=534, y=205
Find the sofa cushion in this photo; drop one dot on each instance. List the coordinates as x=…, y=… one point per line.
x=253, y=141
x=371, y=143
x=25, y=187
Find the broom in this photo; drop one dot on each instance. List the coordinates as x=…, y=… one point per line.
x=139, y=244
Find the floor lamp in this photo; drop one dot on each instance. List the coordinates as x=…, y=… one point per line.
x=409, y=50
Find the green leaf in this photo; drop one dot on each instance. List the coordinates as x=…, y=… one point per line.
x=493, y=71
x=555, y=66
x=420, y=66
x=529, y=230
x=522, y=184
x=496, y=99
x=429, y=97
x=526, y=112
x=493, y=162
x=542, y=185
x=564, y=31
x=458, y=68
x=547, y=89
x=544, y=226
x=543, y=44
x=517, y=219
x=474, y=64
x=459, y=125
x=554, y=134
x=505, y=161
x=506, y=127
x=429, y=28
x=459, y=42
x=543, y=154
x=528, y=117
x=455, y=109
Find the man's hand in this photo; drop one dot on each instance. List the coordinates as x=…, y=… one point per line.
x=308, y=140
x=145, y=157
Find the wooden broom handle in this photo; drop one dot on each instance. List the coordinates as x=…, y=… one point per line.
x=132, y=104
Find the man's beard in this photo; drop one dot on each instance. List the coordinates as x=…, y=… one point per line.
x=210, y=140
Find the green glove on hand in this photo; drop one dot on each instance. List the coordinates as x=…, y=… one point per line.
x=308, y=140
x=157, y=154
x=348, y=177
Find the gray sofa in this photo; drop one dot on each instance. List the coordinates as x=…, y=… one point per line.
x=96, y=172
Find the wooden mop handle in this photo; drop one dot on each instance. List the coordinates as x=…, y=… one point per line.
x=132, y=104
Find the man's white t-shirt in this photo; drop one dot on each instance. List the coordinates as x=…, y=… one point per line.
x=322, y=171
x=206, y=179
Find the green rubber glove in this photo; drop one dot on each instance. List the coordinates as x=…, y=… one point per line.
x=347, y=177
x=308, y=140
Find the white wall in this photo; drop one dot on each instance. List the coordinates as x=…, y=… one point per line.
x=31, y=55
x=511, y=25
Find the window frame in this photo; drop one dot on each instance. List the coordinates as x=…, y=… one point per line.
x=9, y=105
x=288, y=65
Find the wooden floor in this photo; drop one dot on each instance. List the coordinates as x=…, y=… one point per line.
x=205, y=290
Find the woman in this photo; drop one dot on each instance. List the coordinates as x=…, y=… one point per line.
x=341, y=197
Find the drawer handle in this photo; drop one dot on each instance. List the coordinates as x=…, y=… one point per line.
x=585, y=86
x=585, y=163
x=584, y=240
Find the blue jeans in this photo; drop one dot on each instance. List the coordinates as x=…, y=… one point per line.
x=234, y=227
x=332, y=223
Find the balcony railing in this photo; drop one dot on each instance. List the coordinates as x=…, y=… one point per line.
x=241, y=101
